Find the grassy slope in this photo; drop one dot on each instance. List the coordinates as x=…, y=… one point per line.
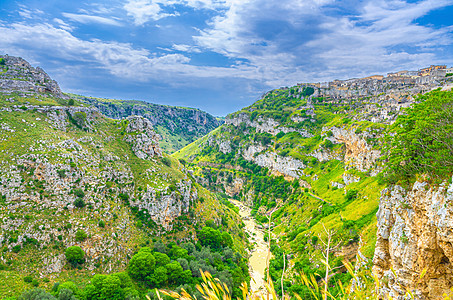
x=32, y=130
x=293, y=219
x=171, y=127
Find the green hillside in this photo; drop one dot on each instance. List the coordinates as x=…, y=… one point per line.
x=178, y=126
x=311, y=162
x=73, y=177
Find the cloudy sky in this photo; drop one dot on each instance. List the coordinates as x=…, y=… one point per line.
x=221, y=55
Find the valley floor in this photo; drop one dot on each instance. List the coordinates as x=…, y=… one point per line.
x=260, y=252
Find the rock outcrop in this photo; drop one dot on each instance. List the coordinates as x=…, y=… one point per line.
x=143, y=138
x=19, y=75
x=414, y=236
x=358, y=154
x=261, y=124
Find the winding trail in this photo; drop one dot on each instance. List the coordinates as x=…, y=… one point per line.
x=258, y=258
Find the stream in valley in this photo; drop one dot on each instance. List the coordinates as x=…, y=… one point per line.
x=258, y=257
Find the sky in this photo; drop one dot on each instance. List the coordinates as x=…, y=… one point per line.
x=221, y=55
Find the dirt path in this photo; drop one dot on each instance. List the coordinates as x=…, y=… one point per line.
x=257, y=260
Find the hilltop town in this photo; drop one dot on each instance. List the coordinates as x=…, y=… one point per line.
x=398, y=86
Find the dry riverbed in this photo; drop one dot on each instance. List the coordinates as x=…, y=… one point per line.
x=258, y=257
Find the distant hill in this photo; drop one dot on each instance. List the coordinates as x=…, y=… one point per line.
x=178, y=126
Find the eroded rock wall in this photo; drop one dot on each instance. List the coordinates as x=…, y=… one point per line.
x=414, y=233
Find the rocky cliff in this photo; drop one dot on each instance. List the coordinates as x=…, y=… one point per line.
x=178, y=126
x=19, y=75
x=71, y=176
x=415, y=237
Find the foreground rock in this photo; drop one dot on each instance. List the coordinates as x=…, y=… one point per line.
x=414, y=235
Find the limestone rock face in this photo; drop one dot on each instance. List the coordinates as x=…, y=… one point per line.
x=280, y=165
x=415, y=234
x=144, y=140
x=359, y=153
x=163, y=210
x=264, y=125
x=21, y=76
x=235, y=187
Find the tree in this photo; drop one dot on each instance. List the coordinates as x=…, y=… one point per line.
x=75, y=255
x=210, y=237
x=71, y=102
x=80, y=235
x=67, y=291
x=174, y=271
x=36, y=294
x=66, y=294
x=111, y=288
x=227, y=240
x=141, y=265
x=79, y=118
x=159, y=277
x=421, y=140
x=79, y=203
x=161, y=259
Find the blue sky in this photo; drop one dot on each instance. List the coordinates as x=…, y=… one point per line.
x=221, y=55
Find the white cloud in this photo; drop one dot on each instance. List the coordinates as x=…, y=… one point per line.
x=120, y=59
x=62, y=24
x=186, y=48
x=26, y=13
x=86, y=19
x=145, y=10
x=293, y=40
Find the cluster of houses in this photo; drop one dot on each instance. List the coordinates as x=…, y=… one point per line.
x=398, y=84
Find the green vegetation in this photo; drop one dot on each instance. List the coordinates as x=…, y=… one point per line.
x=75, y=255
x=166, y=266
x=178, y=126
x=301, y=207
x=421, y=140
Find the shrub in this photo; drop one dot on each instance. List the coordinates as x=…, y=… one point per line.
x=124, y=197
x=101, y=223
x=79, y=193
x=36, y=294
x=75, y=255
x=79, y=203
x=71, y=102
x=79, y=118
x=166, y=161
x=16, y=248
x=28, y=279
x=141, y=264
x=80, y=235
x=62, y=173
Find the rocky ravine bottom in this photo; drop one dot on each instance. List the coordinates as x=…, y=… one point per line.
x=260, y=252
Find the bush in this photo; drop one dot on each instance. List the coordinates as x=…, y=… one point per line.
x=80, y=235
x=79, y=203
x=79, y=193
x=71, y=102
x=166, y=161
x=421, y=141
x=28, y=279
x=36, y=294
x=141, y=264
x=75, y=255
x=17, y=248
x=101, y=223
x=79, y=118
